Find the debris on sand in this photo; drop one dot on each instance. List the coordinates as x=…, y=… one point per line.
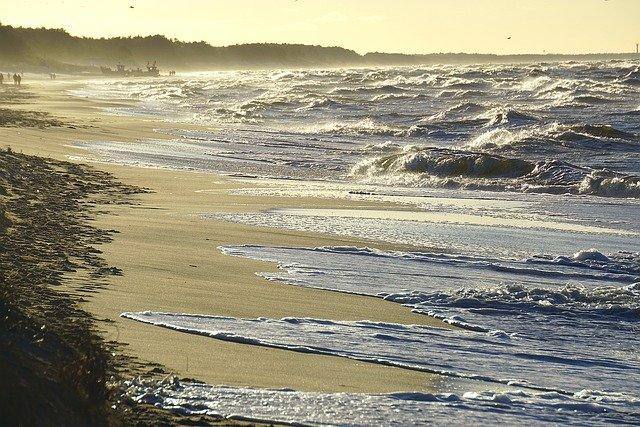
x=26, y=118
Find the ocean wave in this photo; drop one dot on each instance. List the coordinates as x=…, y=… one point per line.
x=629, y=113
x=458, y=111
x=447, y=163
x=388, y=89
x=287, y=75
x=471, y=114
x=466, y=94
x=430, y=166
x=592, y=99
x=324, y=102
x=290, y=407
x=467, y=116
x=466, y=84
x=399, y=96
x=514, y=116
x=538, y=72
x=572, y=92
x=633, y=77
x=576, y=300
x=479, y=356
x=440, y=130
x=582, y=99
x=365, y=126
x=579, y=136
x=607, y=183
x=558, y=321
x=626, y=263
x=589, y=264
x=546, y=85
x=503, y=116
x=569, y=132
x=278, y=99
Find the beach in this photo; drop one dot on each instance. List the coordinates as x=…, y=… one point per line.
x=170, y=262
x=320, y=214
x=359, y=246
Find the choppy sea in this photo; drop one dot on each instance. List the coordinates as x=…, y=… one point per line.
x=517, y=184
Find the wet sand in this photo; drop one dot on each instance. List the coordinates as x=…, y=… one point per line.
x=170, y=262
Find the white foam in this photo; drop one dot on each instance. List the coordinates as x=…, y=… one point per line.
x=320, y=123
x=445, y=236
x=350, y=409
x=540, y=306
x=470, y=355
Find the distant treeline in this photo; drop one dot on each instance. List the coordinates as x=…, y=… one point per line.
x=43, y=49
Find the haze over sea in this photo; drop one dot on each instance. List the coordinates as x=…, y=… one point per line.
x=514, y=187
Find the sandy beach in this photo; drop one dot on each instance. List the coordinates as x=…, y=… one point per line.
x=226, y=213
x=230, y=268
x=170, y=263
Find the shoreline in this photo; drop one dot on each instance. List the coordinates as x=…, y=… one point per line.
x=221, y=300
x=169, y=239
x=56, y=368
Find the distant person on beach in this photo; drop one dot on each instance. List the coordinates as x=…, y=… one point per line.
x=15, y=79
x=1, y=78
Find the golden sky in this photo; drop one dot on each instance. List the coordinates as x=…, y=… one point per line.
x=412, y=26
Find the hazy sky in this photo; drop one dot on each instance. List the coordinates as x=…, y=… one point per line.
x=412, y=26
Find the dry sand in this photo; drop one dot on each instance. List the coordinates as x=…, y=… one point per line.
x=171, y=263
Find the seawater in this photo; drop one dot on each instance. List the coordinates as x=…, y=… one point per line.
x=518, y=186
x=554, y=128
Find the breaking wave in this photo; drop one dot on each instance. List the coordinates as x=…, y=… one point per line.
x=633, y=78
x=324, y=103
x=291, y=407
x=457, y=111
x=582, y=113
x=470, y=112
x=581, y=136
x=507, y=116
x=365, y=126
x=430, y=166
x=373, y=90
x=571, y=299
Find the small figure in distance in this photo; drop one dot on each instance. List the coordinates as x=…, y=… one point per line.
x=1, y=78
x=15, y=79
x=19, y=79
x=52, y=76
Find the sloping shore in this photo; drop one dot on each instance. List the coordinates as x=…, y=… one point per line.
x=169, y=262
x=55, y=367
x=172, y=264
